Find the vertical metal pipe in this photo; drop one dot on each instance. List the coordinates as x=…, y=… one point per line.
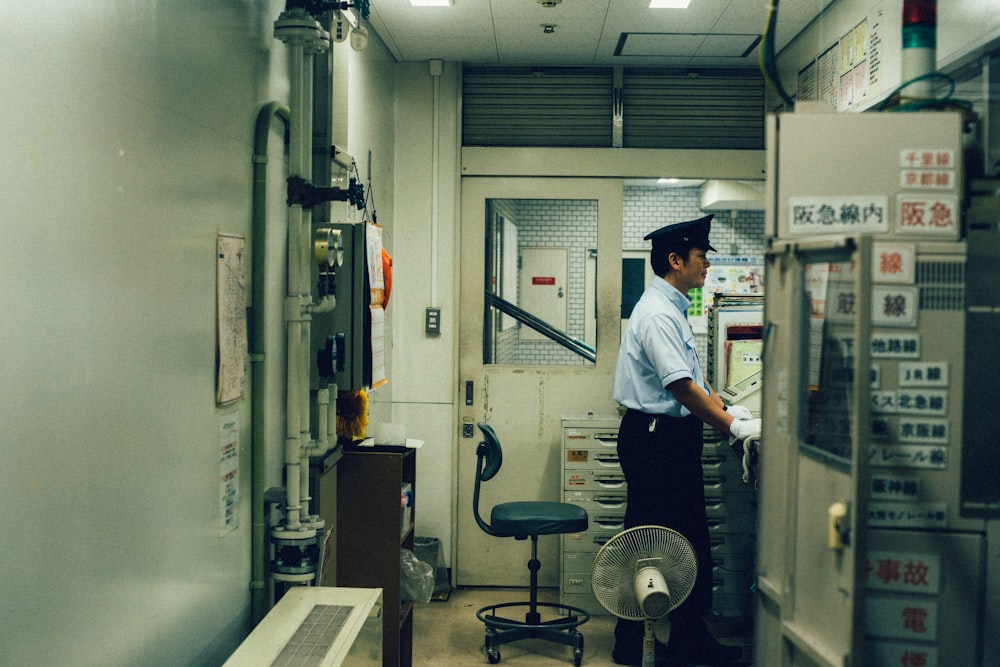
x=293, y=305
x=258, y=249
x=436, y=68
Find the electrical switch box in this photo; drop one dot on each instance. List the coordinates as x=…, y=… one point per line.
x=432, y=321
x=341, y=338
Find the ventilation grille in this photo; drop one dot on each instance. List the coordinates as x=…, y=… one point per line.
x=315, y=637
x=573, y=107
x=941, y=284
x=536, y=106
x=675, y=108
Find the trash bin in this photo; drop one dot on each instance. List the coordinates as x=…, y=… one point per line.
x=428, y=549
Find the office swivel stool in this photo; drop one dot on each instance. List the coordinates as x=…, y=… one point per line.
x=522, y=520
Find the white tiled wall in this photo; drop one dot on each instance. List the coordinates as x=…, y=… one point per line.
x=649, y=207
x=572, y=224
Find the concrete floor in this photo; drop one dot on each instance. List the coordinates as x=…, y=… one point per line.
x=446, y=633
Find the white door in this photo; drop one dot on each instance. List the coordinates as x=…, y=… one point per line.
x=814, y=452
x=543, y=288
x=524, y=403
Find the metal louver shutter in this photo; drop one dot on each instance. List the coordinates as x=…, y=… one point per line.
x=536, y=106
x=681, y=108
x=572, y=106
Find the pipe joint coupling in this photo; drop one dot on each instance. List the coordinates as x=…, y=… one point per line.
x=297, y=26
x=295, y=308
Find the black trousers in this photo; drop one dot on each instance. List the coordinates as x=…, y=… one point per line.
x=665, y=480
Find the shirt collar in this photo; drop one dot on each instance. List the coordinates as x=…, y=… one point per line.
x=672, y=294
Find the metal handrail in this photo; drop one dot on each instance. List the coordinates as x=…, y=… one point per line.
x=542, y=327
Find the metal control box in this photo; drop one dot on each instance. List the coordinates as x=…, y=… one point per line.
x=344, y=332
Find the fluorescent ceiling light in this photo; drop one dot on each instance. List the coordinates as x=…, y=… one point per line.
x=431, y=3
x=664, y=4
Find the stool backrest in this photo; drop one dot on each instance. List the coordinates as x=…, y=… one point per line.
x=489, y=458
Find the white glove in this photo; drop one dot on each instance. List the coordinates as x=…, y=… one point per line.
x=741, y=429
x=739, y=412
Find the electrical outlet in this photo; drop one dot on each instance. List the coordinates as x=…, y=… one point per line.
x=467, y=431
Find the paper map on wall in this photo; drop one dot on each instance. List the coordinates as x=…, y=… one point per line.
x=231, y=318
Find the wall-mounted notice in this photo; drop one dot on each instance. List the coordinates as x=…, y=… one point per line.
x=229, y=472
x=376, y=281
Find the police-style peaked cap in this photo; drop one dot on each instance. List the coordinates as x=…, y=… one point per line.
x=693, y=233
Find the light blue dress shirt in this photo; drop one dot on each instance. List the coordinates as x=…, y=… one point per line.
x=658, y=348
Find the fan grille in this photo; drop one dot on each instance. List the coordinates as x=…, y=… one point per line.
x=615, y=567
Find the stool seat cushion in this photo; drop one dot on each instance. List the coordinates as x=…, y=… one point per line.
x=538, y=517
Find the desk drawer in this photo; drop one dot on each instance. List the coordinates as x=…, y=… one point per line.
x=594, y=459
x=593, y=480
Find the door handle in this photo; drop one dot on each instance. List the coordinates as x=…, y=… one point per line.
x=839, y=532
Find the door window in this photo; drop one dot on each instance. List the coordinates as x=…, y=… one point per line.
x=537, y=283
x=831, y=312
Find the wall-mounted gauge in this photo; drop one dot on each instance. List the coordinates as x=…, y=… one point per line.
x=328, y=247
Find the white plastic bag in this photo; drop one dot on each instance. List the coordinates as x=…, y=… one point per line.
x=416, y=578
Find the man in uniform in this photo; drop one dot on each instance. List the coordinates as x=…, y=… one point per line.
x=660, y=381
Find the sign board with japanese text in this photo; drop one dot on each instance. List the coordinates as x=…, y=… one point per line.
x=928, y=215
x=886, y=485
x=915, y=569
x=894, y=263
x=853, y=214
x=888, y=175
x=901, y=618
x=923, y=600
x=908, y=456
x=903, y=572
x=907, y=515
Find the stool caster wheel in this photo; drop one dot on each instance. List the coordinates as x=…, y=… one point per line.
x=493, y=655
x=577, y=657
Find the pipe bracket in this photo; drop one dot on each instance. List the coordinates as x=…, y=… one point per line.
x=307, y=195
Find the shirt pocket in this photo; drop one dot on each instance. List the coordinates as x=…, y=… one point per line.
x=690, y=350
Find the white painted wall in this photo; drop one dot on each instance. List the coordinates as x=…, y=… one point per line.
x=423, y=367
x=127, y=146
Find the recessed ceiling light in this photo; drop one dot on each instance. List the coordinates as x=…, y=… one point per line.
x=431, y=3
x=667, y=4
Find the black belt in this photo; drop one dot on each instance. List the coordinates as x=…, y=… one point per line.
x=654, y=419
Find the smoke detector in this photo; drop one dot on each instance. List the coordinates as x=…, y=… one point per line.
x=549, y=3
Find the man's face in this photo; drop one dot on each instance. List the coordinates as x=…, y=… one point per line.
x=690, y=272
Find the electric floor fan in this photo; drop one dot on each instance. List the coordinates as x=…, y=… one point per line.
x=642, y=574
